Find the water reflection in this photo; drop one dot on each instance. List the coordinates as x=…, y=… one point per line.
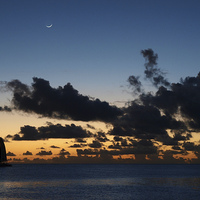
x=181, y=182
x=32, y=184
x=193, y=183
x=97, y=182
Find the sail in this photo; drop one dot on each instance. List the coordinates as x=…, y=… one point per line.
x=2, y=151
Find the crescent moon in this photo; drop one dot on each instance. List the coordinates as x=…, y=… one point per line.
x=49, y=26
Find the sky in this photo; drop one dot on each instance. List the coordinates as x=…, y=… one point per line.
x=102, y=83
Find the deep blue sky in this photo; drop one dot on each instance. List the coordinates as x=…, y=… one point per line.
x=96, y=44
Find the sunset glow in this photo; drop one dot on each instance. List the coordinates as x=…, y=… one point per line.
x=100, y=81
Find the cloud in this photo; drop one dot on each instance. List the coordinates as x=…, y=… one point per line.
x=5, y=108
x=41, y=148
x=181, y=99
x=144, y=122
x=63, y=152
x=88, y=152
x=80, y=140
x=51, y=131
x=91, y=127
x=117, y=138
x=191, y=146
x=135, y=84
x=176, y=147
x=54, y=147
x=62, y=102
x=28, y=153
x=7, y=138
x=166, y=117
x=173, y=108
x=10, y=154
x=120, y=144
x=95, y=144
x=115, y=146
x=168, y=157
x=101, y=136
x=77, y=145
x=139, y=149
x=44, y=153
x=154, y=74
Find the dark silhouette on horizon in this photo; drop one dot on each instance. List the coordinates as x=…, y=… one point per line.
x=3, y=157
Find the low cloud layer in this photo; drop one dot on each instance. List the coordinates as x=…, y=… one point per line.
x=27, y=153
x=44, y=153
x=51, y=131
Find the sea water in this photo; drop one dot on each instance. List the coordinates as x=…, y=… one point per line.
x=100, y=182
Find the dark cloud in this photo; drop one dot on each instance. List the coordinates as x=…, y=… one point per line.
x=167, y=140
x=54, y=147
x=135, y=147
x=154, y=74
x=139, y=149
x=17, y=87
x=28, y=153
x=101, y=136
x=18, y=160
x=191, y=146
x=167, y=116
x=120, y=143
x=143, y=121
x=62, y=102
x=143, y=146
x=146, y=143
x=124, y=143
x=80, y=140
x=41, y=148
x=77, y=145
x=180, y=137
x=5, y=108
x=7, y=138
x=10, y=154
x=176, y=147
x=197, y=151
x=51, y=131
x=86, y=152
x=63, y=152
x=135, y=84
x=115, y=146
x=168, y=157
x=28, y=133
x=95, y=144
x=181, y=99
x=44, y=153
x=117, y=138
x=91, y=127
x=174, y=108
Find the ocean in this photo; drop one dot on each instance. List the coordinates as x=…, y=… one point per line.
x=100, y=182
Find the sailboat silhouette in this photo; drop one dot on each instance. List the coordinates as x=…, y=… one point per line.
x=3, y=157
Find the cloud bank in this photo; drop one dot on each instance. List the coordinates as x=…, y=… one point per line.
x=167, y=117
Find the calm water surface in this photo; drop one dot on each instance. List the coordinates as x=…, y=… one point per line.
x=96, y=182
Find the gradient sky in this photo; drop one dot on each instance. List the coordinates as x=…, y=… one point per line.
x=95, y=45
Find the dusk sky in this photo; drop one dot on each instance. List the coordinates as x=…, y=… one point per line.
x=100, y=78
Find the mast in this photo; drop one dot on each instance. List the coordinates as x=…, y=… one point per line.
x=2, y=151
